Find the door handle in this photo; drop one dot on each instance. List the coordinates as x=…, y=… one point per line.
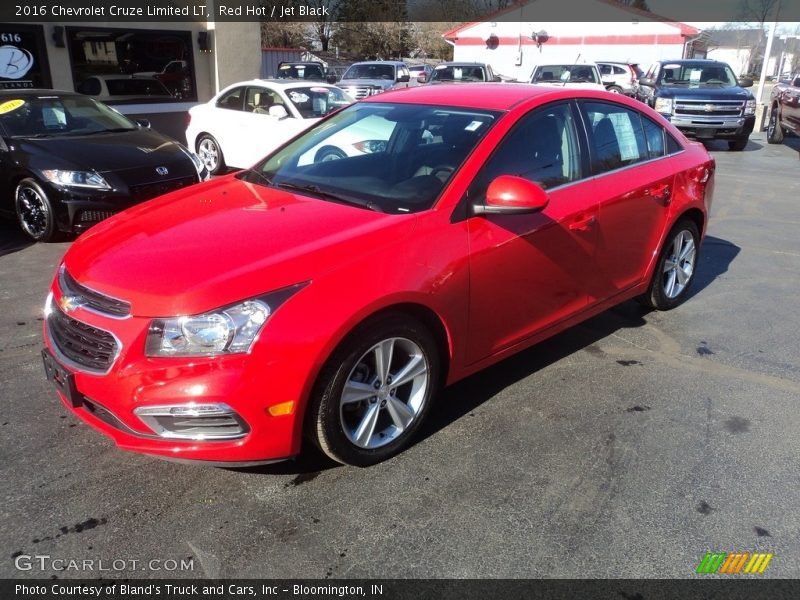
x=662, y=192
x=584, y=224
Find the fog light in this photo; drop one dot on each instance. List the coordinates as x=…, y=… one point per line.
x=193, y=421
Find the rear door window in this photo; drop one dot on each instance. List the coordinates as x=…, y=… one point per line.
x=615, y=134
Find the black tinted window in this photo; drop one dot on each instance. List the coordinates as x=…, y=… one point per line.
x=615, y=135
x=542, y=147
x=654, y=134
x=232, y=99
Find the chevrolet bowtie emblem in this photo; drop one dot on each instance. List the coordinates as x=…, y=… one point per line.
x=69, y=303
x=709, y=108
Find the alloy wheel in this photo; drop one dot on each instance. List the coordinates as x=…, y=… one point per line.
x=384, y=393
x=33, y=211
x=208, y=153
x=679, y=264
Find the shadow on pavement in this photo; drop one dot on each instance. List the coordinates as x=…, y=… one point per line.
x=12, y=238
x=460, y=399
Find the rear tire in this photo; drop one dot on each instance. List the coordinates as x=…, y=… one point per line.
x=774, y=130
x=737, y=145
x=375, y=391
x=210, y=152
x=35, y=211
x=675, y=268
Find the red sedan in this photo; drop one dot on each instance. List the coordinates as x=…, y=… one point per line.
x=331, y=300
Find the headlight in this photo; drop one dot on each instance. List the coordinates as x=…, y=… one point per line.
x=370, y=146
x=377, y=90
x=229, y=330
x=79, y=179
x=664, y=105
x=750, y=107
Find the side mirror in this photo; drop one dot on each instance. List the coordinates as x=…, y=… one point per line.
x=422, y=78
x=796, y=82
x=511, y=195
x=647, y=82
x=143, y=123
x=744, y=82
x=278, y=111
x=403, y=79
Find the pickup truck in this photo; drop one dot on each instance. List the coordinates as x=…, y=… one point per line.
x=702, y=98
x=461, y=72
x=784, y=110
x=368, y=78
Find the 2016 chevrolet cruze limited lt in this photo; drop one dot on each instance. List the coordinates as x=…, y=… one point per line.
x=331, y=300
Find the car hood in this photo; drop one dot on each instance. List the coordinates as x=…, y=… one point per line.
x=221, y=242
x=104, y=152
x=703, y=92
x=382, y=83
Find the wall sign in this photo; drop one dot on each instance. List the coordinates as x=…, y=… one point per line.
x=23, y=57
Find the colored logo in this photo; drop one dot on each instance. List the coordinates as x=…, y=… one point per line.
x=69, y=303
x=734, y=563
x=11, y=105
x=14, y=62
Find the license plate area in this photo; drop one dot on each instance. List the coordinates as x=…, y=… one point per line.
x=63, y=380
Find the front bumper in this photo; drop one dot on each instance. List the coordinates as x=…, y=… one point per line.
x=711, y=127
x=248, y=384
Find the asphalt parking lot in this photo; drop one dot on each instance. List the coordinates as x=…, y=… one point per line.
x=626, y=447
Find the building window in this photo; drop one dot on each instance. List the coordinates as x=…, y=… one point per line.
x=124, y=65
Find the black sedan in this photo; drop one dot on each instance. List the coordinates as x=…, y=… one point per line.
x=68, y=161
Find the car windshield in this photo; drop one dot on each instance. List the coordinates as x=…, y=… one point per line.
x=317, y=101
x=458, y=73
x=370, y=72
x=565, y=74
x=47, y=116
x=300, y=72
x=697, y=74
x=394, y=158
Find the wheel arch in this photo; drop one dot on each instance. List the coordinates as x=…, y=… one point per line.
x=696, y=215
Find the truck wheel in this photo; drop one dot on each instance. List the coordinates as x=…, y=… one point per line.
x=737, y=145
x=774, y=130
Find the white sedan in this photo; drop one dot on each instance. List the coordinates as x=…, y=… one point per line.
x=248, y=120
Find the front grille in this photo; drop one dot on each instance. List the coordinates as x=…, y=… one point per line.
x=359, y=91
x=84, y=345
x=711, y=108
x=146, y=191
x=89, y=298
x=94, y=216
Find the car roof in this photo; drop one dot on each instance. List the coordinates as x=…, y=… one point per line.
x=380, y=62
x=488, y=96
x=280, y=83
x=683, y=61
x=461, y=63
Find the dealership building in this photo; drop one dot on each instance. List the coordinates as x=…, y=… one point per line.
x=155, y=70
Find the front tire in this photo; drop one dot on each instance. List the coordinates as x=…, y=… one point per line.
x=614, y=89
x=35, y=211
x=375, y=391
x=210, y=152
x=737, y=145
x=328, y=153
x=675, y=268
x=774, y=129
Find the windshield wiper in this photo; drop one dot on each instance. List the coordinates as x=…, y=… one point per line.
x=114, y=130
x=313, y=189
x=259, y=174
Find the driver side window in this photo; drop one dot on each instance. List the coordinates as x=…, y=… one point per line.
x=542, y=147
